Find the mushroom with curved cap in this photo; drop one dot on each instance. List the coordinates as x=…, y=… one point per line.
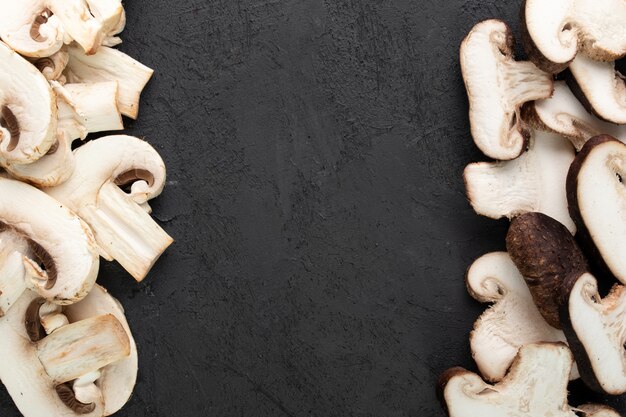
x=108, y=64
x=535, y=385
x=564, y=114
x=497, y=86
x=13, y=280
x=59, y=364
x=512, y=320
x=122, y=228
x=554, y=31
x=597, y=202
x=52, y=67
x=596, y=331
x=545, y=253
x=533, y=182
x=27, y=110
x=58, y=239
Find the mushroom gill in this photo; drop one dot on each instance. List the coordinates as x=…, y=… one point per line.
x=66, y=394
x=10, y=123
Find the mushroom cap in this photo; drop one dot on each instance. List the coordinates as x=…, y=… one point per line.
x=493, y=80
x=27, y=110
x=58, y=235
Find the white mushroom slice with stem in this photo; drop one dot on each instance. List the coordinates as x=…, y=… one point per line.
x=83, y=109
x=13, y=280
x=52, y=67
x=123, y=229
x=110, y=65
x=535, y=385
x=497, y=86
x=555, y=31
x=511, y=322
x=596, y=331
x=564, y=114
x=65, y=258
x=53, y=374
x=600, y=87
x=27, y=110
x=533, y=182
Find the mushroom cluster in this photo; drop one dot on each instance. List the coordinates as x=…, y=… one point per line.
x=67, y=347
x=556, y=127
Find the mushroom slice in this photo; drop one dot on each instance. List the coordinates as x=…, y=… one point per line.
x=30, y=28
x=555, y=31
x=536, y=385
x=56, y=371
x=597, y=201
x=533, y=182
x=110, y=65
x=13, y=247
x=545, y=253
x=600, y=87
x=497, y=86
x=27, y=110
x=563, y=114
x=52, y=67
x=65, y=259
x=511, y=322
x=596, y=331
x=123, y=229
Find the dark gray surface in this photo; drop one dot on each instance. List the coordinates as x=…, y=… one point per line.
x=315, y=151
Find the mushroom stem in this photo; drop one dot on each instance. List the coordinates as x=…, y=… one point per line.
x=79, y=348
x=526, y=82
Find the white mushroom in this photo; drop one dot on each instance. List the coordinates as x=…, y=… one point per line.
x=110, y=65
x=497, y=86
x=533, y=182
x=58, y=239
x=123, y=229
x=52, y=67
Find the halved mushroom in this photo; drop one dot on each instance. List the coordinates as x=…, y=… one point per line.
x=497, y=86
x=110, y=65
x=512, y=320
x=57, y=361
x=27, y=110
x=545, y=253
x=52, y=67
x=554, y=31
x=563, y=114
x=123, y=229
x=65, y=261
x=536, y=385
x=596, y=331
x=600, y=87
x=13, y=280
x=597, y=202
x=533, y=182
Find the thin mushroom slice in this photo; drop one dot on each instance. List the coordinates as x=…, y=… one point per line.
x=554, y=31
x=13, y=247
x=596, y=331
x=110, y=65
x=597, y=202
x=122, y=228
x=536, y=385
x=497, y=86
x=600, y=87
x=52, y=67
x=512, y=320
x=545, y=253
x=30, y=28
x=27, y=110
x=533, y=182
x=65, y=261
x=565, y=115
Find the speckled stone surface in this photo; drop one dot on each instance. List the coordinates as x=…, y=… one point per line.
x=314, y=151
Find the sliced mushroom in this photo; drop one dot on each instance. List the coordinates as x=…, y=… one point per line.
x=596, y=331
x=13, y=247
x=497, y=86
x=554, y=31
x=110, y=65
x=563, y=114
x=536, y=385
x=27, y=110
x=511, y=322
x=65, y=260
x=52, y=67
x=545, y=253
x=51, y=372
x=533, y=182
x=123, y=229
x=597, y=202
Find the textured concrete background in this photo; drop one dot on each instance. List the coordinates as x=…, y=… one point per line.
x=315, y=151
